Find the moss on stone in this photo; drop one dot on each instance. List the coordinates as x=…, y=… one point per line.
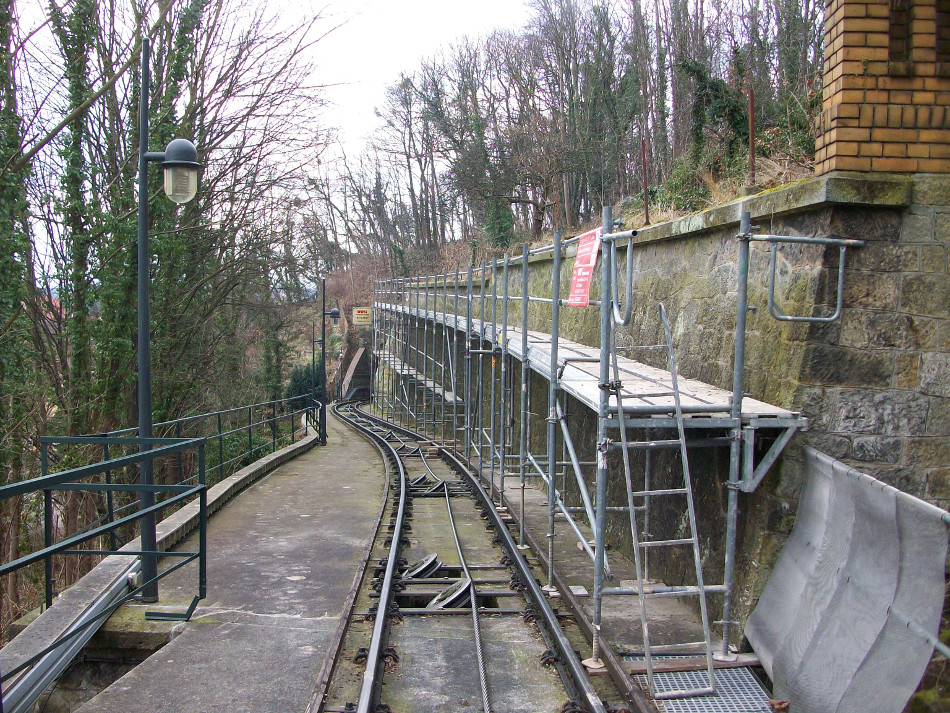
x=930, y=700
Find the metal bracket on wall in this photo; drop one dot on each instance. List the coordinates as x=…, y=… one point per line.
x=774, y=240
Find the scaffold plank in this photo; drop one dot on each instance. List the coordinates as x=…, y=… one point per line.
x=393, y=362
x=645, y=389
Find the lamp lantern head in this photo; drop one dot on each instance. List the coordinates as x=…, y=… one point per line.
x=181, y=170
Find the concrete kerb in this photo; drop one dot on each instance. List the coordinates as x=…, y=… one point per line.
x=174, y=528
x=71, y=604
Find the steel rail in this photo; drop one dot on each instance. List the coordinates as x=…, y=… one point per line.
x=578, y=675
x=479, y=650
x=615, y=668
x=372, y=679
x=320, y=689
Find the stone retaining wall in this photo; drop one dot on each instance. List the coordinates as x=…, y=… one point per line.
x=875, y=385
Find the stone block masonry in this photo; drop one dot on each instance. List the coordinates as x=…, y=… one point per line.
x=875, y=385
x=886, y=405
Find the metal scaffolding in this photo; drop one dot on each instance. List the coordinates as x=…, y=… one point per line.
x=449, y=362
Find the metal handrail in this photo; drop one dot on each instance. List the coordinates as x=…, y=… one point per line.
x=68, y=480
x=71, y=479
x=116, y=516
x=119, y=517
x=221, y=412
x=219, y=431
x=313, y=413
x=621, y=320
x=220, y=434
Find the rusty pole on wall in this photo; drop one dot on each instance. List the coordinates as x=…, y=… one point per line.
x=751, y=136
x=646, y=193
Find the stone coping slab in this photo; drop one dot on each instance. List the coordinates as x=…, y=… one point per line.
x=837, y=188
x=853, y=189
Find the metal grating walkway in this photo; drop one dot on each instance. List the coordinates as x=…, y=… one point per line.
x=737, y=690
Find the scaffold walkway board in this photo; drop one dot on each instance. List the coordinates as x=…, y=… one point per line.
x=647, y=391
x=400, y=367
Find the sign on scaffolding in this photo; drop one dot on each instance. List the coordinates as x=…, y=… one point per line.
x=584, y=265
x=362, y=316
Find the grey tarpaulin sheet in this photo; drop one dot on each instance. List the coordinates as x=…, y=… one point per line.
x=863, y=559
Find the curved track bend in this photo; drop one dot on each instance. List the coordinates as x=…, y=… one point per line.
x=448, y=614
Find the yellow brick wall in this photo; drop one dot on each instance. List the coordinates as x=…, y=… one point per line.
x=879, y=114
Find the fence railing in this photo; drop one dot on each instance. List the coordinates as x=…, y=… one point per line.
x=193, y=453
x=316, y=419
x=236, y=436
x=86, y=479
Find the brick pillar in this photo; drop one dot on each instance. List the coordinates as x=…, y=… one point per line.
x=886, y=97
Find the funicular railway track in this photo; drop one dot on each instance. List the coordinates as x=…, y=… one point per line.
x=448, y=615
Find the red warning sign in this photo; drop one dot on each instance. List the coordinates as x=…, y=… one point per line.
x=584, y=265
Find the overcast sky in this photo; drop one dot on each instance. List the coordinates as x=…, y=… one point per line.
x=381, y=38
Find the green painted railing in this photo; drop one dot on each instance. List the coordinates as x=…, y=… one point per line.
x=85, y=479
x=238, y=436
x=232, y=438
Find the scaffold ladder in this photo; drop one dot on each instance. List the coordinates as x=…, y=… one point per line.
x=642, y=542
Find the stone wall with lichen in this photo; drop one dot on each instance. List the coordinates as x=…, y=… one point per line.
x=877, y=383
x=874, y=385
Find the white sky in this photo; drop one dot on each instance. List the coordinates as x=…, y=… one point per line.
x=382, y=38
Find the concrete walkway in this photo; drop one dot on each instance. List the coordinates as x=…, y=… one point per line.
x=282, y=559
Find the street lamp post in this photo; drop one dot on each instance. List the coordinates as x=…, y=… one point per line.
x=313, y=381
x=323, y=361
x=313, y=364
x=334, y=315
x=180, y=163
